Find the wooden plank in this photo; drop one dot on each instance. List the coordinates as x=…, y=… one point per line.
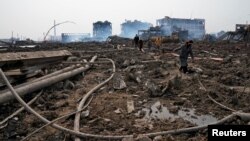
x=15, y=72
x=80, y=62
x=130, y=106
x=18, y=60
x=17, y=56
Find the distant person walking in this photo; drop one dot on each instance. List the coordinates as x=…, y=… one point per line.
x=185, y=50
x=141, y=45
x=149, y=44
x=158, y=41
x=136, y=40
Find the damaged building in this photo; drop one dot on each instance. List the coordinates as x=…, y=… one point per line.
x=241, y=33
x=194, y=27
x=244, y=31
x=75, y=37
x=102, y=30
x=130, y=28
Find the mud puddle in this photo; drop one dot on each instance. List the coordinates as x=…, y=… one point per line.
x=158, y=111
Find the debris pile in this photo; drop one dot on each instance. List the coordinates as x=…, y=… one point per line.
x=121, y=93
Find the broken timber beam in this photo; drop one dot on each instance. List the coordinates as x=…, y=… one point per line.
x=102, y=51
x=198, y=58
x=106, y=62
x=79, y=62
x=15, y=60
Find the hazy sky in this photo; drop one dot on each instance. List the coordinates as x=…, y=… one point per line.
x=32, y=18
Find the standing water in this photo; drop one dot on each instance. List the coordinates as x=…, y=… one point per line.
x=157, y=111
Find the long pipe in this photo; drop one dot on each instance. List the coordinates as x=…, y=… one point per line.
x=80, y=134
x=86, y=96
x=4, y=97
x=28, y=108
x=44, y=77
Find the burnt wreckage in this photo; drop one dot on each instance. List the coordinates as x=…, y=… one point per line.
x=241, y=33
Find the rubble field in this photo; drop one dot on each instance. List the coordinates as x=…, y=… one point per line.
x=147, y=93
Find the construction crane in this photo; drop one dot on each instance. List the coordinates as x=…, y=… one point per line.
x=55, y=25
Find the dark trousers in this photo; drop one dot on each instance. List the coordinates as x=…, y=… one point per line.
x=140, y=47
x=184, y=68
x=136, y=43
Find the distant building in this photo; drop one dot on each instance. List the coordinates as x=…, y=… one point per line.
x=54, y=38
x=243, y=31
x=195, y=27
x=241, y=27
x=102, y=30
x=75, y=37
x=130, y=28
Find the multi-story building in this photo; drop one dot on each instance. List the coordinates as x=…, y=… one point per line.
x=102, y=30
x=195, y=27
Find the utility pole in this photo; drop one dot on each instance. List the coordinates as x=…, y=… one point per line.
x=54, y=30
x=12, y=35
x=12, y=38
x=247, y=31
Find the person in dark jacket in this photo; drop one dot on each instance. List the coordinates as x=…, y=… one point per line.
x=185, y=51
x=136, y=40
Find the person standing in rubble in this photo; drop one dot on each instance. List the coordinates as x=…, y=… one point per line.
x=158, y=41
x=149, y=44
x=185, y=50
x=141, y=45
x=136, y=40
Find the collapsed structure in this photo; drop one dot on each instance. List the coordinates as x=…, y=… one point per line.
x=102, y=30
x=130, y=28
x=195, y=28
x=241, y=33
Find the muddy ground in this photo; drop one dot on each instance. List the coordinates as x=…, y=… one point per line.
x=184, y=102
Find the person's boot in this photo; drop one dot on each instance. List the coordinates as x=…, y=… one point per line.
x=180, y=69
x=185, y=70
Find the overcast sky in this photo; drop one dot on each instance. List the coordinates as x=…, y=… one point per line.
x=32, y=18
